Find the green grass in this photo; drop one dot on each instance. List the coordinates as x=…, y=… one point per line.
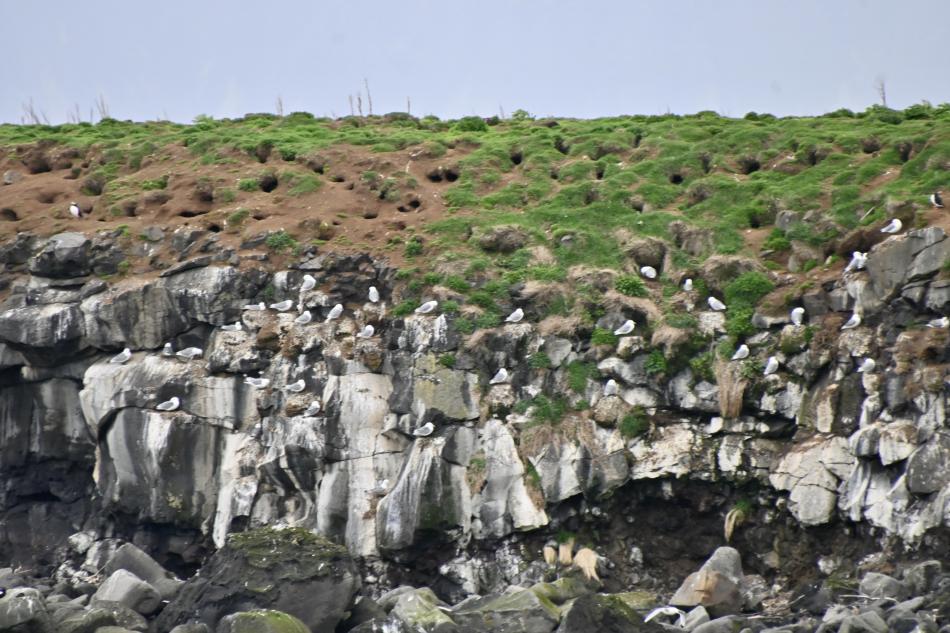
x=280, y=241
x=634, y=424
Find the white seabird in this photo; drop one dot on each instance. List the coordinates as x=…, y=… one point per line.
x=335, y=312
x=771, y=366
x=853, y=322
x=122, y=356
x=282, y=306
x=936, y=200
x=611, y=388
x=427, y=307
x=373, y=294
x=168, y=350
x=425, y=430
x=313, y=409
x=74, y=210
x=668, y=612
x=894, y=227
x=296, y=387
x=942, y=322
x=742, y=352
x=235, y=327
x=716, y=304
x=515, y=316
x=858, y=261
x=500, y=376
x=257, y=383
x=797, y=315
x=304, y=318
x=169, y=405
x=308, y=283
x=366, y=332
x=625, y=329
x=688, y=285
x=867, y=366
x=257, y=307
x=190, y=353
x=648, y=271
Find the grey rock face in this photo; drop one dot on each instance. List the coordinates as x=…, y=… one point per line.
x=129, y=590
x=716, y=586
x=317, y=581
x=898, y=260
x=64, y=255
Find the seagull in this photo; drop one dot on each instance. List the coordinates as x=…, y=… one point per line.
x=797, y=315
x=610, y=389
x=304, y=318
x=313, y=409
x=894, y=227
x=853, y=322
x=169, y=405
x=283, y=306
x=425, y=430
x=867, y=366
x=858, y=261
x=122, y=356
x=335, y=312
x=771, y=366
x=515, y=316
x=296, y=387
x=688, y=285
x=500, y=376
x=168, y=350
x=427, y=307
x=625, y=329
x=236, y=327
x=936, y=200
x=366, y=332
x=648, y=271
x=256, y=306
x=716, y=304
x=190, y=353
x=742, y=352
x=308, y=283
x=669, y=612
x=258, y=383
x=373, y=294
x=942, y=322
x=74, y=210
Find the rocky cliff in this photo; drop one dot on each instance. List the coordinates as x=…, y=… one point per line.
x=400, y=446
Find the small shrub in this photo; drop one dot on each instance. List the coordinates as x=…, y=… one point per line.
x=747, y=289
x=487, y=320
x=123, y=267
x=248, y=184
x=548, y=410
x=238, y=217
x=656, y=363
x=225, y=195
x=578, y=373
x=156, y=183
x=601, y=336
x=464, y=325
x=450, y=307
x=456, y=283
x=447, y=360
x=405, y=308
x=413, y=246
x=280, y=241
x=634, y=425
x=630, y=285
x=777, y=241
x=702, y=366
x=539, y=360
x=681, y=321
x=471, y=124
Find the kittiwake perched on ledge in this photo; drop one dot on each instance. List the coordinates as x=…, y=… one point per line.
x=308, y=283
x=648, y=271
x=190, y=353
x=611, y=388
x=313, y=409
x=169, y=405
x=257, y=383
x=500, y=376
x=867, y=366
x=304, y=318
x=366, y=332
x=373, y=294
x=282, y=306
x=942, y=322
x=427, y=307
x=256, y=307
x=296, y=387
x=797, y=315
x=515, y=316
x=122, y=356
x=716, y=304
x=335, y=312
x=894, y=227
x=771, y=366
x=742, y=352
x=425, y=430
x=168, y=350
x=235, y=327
x=853, y=322
x=858, y=261
x=625, y=328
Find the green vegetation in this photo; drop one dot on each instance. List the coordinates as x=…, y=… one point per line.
x=578, y=373
x=631, y=285
x=280, y=241
x=600, y=336
x=238, y=217
x=248, y=184
x=656, y=363
x=634, y=424
x=157, y=183
x=447, y=360
x=539, y=360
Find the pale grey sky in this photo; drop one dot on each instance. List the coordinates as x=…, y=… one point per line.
x=180, y=58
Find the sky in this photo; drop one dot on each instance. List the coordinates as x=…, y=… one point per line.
x=177, y=59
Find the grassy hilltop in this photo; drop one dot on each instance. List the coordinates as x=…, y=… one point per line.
x=424, y=192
